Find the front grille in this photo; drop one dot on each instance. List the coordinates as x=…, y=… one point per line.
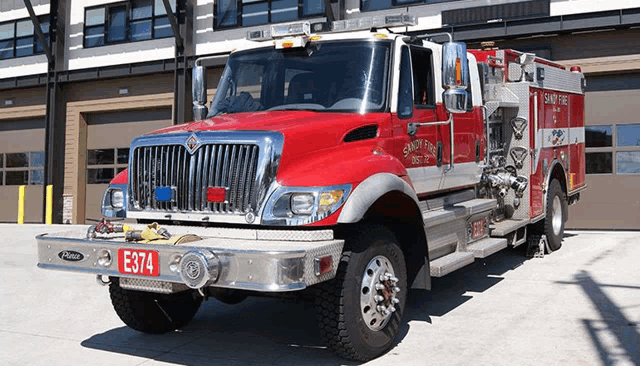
x=232, y=166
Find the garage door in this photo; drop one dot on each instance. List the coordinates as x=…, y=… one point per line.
x=108, y=138
x=21, y=163
x=612, y=138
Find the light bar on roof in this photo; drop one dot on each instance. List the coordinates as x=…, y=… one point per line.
x=380, y=21
x=280, y=30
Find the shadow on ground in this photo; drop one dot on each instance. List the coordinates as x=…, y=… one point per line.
x=270, y=331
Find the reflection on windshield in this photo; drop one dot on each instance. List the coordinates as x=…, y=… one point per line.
x=329, y=76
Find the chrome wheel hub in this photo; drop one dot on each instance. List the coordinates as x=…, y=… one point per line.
x=378, y=293
x=556, y=218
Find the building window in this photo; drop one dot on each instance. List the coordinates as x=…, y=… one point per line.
x=25, y=168
x=136, y=20
x=18, y=38
x=370, y=5
x=243, y=13
x=104, y=164
x=600, y=150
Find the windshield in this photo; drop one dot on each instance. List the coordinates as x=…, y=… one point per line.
x=324, y=77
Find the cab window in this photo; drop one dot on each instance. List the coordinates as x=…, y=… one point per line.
x=423, y=88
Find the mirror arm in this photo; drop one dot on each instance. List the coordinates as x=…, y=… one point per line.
x=412, y=128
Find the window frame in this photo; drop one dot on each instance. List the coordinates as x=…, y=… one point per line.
x=29, y=169
x=116, y=167
x=614, y=149
x=128, y=20
x=238, y=20
x=15, y=38
x=396, y=4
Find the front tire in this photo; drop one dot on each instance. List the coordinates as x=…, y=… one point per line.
x=552, y=226
x=359, y=312
x=153, y=313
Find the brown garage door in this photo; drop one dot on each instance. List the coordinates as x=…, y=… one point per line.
x=612, y=134
x=108, y=138
x=21, y=163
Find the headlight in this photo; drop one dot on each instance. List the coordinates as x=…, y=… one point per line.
x=117, y=198
x=303, y=205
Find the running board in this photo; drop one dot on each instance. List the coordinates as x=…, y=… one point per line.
x=457, y=211
x=503, y=228
x=449, y=263
x=486, y=247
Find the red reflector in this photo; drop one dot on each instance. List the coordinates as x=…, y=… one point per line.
x=322, y=265
x=216, y=194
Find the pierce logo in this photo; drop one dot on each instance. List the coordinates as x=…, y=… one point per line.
x=71, y=256
x=192, y=143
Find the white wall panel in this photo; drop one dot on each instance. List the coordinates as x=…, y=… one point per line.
x=565, y=7
x=15, y=9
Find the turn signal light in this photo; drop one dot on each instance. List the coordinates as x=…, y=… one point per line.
x=216, y=194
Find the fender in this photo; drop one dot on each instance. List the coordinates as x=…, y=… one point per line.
x=368, y=192
x=547, y=181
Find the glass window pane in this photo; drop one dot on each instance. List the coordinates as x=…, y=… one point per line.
x=99, y=176
x=368, y=5
x=94, y=17
x=423, y=93
x=599, y=162
x=284, y=10
x=39, y=48
x=44, y=25
x=254, y=14
x=405, y=89
x=141, y=9
x=100, y=157
x=17, y=160
x=6, y=30
x=36, y=176
x=37, y=159
x=16, y=178
x=312, y=7
x=628, y=162
x=117, y=24
x=24, y=28
x=598, y=136
x=226, y=13
x=24, y=47
x=162, y=28
x=140, y=29
x=628, y=135
x=123, y=155
x=159, y=7
x=6, y=49
x=94, y=36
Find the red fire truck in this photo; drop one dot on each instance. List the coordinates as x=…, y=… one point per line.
x=347, y=166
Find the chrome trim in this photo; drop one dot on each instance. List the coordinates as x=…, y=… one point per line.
x=169, y=146
x=269, y=265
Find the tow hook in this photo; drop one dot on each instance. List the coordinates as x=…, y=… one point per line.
x=101, y=280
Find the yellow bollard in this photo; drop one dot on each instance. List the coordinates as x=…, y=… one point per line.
x=49, y=212
x=21, y=205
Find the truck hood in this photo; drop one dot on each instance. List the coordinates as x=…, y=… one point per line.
x=305, y=132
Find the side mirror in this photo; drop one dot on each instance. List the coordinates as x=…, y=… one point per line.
x=455, y=76
x=199, y=93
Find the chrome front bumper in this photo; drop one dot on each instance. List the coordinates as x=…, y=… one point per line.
x=248, y=259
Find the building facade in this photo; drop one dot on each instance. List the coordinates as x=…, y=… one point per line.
x=80, y=78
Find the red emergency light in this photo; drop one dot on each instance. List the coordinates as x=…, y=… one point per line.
x=216, y=194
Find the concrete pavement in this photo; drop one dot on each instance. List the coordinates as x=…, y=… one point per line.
x=578, y=306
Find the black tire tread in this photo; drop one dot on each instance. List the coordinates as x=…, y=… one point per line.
x=141, y=310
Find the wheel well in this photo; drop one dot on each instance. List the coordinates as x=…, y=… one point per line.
x=559, y=174
x=401, y=215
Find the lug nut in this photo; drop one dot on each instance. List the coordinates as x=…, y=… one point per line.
x=385, y=312
x=392, y=309
x=379, y=286
x=378, y=298
x=395, y=300
x=396, y=289
x=384, y=277
x=381, y=308
x=394, y=279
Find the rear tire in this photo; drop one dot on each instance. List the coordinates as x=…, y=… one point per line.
x=153, y=313
x=348, y=316
x=552, y=226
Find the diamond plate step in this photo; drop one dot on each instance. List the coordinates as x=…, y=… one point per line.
x=506, y=227
x=485, y=247
x=457, y=211
x=450, y=262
